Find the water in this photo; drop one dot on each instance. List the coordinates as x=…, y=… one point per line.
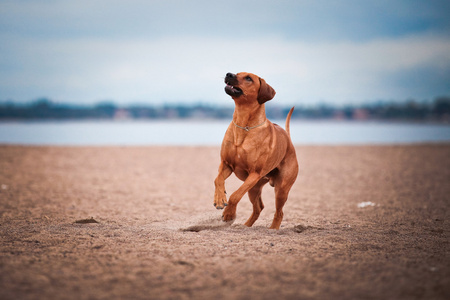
x=139, y=133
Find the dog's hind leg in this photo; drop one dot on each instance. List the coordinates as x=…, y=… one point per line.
x=281, y=196
x=254, y=194
x=283, y=182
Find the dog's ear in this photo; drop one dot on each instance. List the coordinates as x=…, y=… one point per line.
x=266, y=92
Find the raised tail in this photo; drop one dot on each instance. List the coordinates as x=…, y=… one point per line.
x=288, y=120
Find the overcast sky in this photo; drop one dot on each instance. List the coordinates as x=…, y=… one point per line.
x=156, y=52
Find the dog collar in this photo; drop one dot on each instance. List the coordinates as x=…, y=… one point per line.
x=246, y=128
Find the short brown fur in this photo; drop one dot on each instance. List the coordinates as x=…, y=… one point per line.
x=255, y=149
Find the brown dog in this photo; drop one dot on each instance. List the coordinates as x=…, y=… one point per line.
x=255, y=149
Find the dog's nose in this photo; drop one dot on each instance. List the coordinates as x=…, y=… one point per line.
x=230, y=75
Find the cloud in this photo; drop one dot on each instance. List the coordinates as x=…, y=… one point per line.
x=192, y=68
x=305, y=20
x=179, y=51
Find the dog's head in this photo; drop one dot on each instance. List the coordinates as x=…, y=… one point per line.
x=248, y=86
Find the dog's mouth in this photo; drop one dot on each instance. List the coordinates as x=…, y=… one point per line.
x=233, y=90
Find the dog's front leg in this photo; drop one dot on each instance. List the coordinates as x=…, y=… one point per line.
x=230, y=211
x=220, y=198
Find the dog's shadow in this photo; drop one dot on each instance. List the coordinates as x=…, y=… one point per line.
x=215, y=223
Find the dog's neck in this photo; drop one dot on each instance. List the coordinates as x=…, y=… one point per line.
x=247, y=116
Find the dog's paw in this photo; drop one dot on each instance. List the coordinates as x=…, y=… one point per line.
x=220, y=206
x=229, y=214
x=220, y=202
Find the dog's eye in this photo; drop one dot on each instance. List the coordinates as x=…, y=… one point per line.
x=248, y=78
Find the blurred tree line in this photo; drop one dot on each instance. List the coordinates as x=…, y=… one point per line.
x=437, y=110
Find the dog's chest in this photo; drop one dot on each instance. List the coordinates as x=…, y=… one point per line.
x=242, y=157
x=245, y=152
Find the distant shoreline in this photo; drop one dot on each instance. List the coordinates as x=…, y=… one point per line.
x=436, y=111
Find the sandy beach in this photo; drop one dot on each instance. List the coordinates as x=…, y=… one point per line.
x=361, y=222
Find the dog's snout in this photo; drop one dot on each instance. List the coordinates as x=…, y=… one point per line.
x=231, y=78
x=230, y=75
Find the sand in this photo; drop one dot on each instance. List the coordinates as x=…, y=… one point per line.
x=361, y=222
